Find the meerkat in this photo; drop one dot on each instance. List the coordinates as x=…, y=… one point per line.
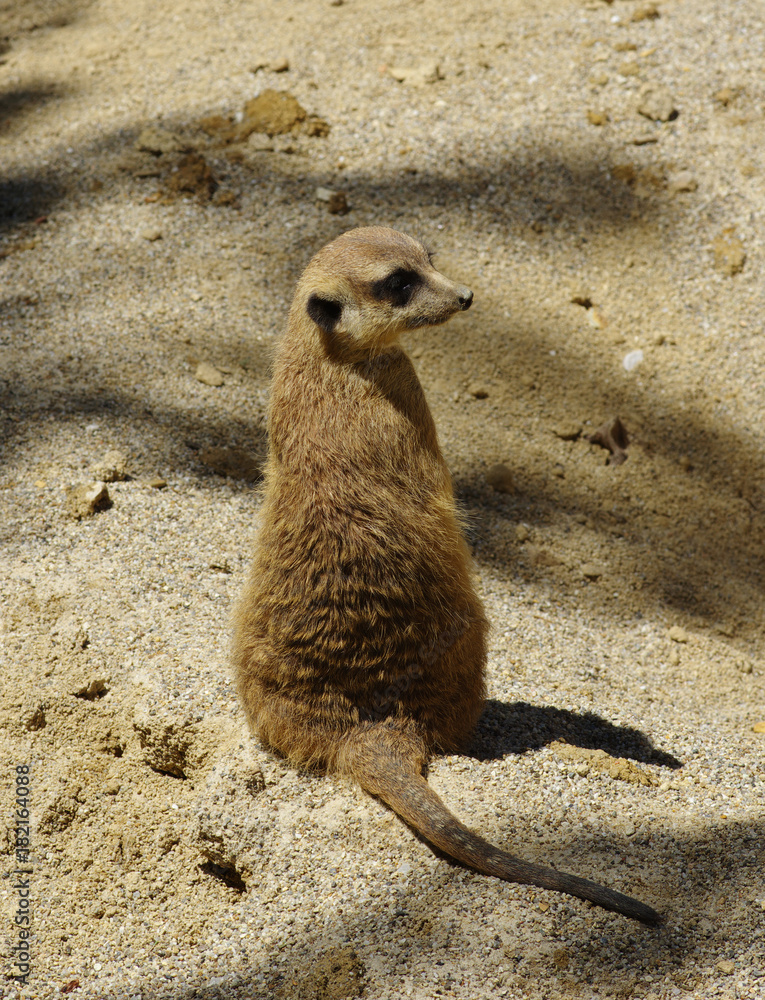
x=359, y=641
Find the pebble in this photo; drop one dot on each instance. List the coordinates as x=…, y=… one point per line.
x=726, y=966
x=34, y=718
x=682, y=182
x=152, y=235
x=591, y=571
x=678, y=634
x=417, y=76
x=567, y=430
x=597, y=117
x=111, y=469
x=644, y=139
x=274, y=112
x=726, y=96
x=648, y=12
x=338, y=204
x=257, y=142
x=632, y=360
x=85, y=499
x=522, y=533
x=157, y=482
x=193, y=176
x=478, y=390
x=758, y=727
x=631, y=67
x=336, y=201
x=613, y=436
x=500, y=478
x=656, y=102
x=729, y=253
x=208, y=374
x=157, y=140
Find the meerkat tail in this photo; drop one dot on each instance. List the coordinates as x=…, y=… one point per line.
x=394, y=779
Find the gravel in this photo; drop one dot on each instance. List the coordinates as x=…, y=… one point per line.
x=172, y=857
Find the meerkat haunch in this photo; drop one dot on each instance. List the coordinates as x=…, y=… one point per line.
x=359, y=642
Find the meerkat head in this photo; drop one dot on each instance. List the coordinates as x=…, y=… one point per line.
x=370, y=285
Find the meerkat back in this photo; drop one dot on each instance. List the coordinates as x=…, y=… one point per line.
x=360, y=605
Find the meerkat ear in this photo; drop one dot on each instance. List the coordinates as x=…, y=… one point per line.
x=324, y=312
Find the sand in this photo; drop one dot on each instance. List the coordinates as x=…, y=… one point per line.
x=595, y=173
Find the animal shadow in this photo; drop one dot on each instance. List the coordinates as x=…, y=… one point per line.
x=519, y=727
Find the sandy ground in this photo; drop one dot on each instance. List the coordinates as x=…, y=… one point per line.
x=171, y=857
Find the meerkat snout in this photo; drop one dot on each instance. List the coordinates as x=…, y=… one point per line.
x=465, y=298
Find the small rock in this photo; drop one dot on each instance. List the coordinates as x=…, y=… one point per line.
x=157, y=483
x=338, y=204
x=656, y=102
x=157, y=140
x=682, y=182
x=744, y=667
x=612, y=435
x=677, y=634
x=542, y=558
x=280, y=65
x=758, y=727
x=591, y=572
x=599, y=79
x=648, y=12
x=258, y=142
x=111, y=469
x=477, y=390
x=729, y=252
x=619, y=768
x=338, y=973
x=644, y=139
x=417, y=76
x=165, y=739
x=597, y=117
x=522, y=533
x=324, y=194
x=631, y=67
x=208, y=374
x=34, y=718
x=86, y=499
x=93, y=690
x=274, y=112
x=112, y=786
x=632, y=360
x=567, y=430
x=726, y=96
x=726, y=966
x=193, y=176
x=236, y=463
x=674, y=658
x=152, y=235
x=596, y=317
x=500, y=478
x=624, y=172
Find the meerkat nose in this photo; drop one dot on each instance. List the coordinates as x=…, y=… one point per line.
x=465, y=298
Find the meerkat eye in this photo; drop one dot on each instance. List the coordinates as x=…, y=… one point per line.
x=398, y=287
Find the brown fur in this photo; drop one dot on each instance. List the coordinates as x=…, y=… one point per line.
x=360, y=643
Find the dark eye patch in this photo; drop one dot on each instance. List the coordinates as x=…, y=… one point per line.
x=398, y=287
